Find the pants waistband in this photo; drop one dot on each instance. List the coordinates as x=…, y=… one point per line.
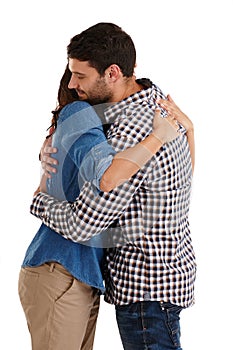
x=56, y=266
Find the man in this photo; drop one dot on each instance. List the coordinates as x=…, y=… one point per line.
x=150, y=278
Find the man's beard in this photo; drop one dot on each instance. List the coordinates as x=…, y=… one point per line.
x=100, y=93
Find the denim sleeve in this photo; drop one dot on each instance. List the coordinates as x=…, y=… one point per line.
x=91, y=153
x=83, y=140
x=94, y=164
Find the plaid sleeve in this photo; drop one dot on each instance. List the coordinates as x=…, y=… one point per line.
x=90, y=214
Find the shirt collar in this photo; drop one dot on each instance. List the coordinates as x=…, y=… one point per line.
x=148, y=95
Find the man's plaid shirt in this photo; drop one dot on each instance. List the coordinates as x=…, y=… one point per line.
x=158, y=261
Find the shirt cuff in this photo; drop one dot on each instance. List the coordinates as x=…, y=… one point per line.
x=37, y=207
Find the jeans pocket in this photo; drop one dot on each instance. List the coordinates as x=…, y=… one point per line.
x=27, y=286
x=172, y=319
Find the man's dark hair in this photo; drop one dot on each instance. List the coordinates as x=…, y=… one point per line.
x=102, y=45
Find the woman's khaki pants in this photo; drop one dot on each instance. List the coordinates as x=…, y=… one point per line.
x=61, y=311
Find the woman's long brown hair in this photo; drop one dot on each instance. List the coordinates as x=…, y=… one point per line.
x=65, y=96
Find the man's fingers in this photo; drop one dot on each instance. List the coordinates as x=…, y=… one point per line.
x=47, y=167
x=50, y=160
x=49, y=149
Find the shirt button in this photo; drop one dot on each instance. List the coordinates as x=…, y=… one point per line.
x=147, y=296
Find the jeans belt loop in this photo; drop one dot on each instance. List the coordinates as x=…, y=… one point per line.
x=52, y=266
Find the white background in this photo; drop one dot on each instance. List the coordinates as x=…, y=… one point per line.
x=183, y=46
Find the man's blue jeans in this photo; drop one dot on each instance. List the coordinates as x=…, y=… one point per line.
x=149, y=325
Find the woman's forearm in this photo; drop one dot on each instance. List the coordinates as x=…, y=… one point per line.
x=126, y=163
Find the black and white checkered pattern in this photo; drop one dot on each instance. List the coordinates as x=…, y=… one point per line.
x=159, y=264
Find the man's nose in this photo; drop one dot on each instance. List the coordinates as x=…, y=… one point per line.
x=73, y=83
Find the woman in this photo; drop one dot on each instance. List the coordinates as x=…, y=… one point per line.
x=60, y=281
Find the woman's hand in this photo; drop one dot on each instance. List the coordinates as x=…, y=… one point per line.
x=175, y=112
x=165, y=129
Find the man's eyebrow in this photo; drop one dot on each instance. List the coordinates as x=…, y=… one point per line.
x=79, y=73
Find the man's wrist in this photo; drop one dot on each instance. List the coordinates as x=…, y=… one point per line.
x=37, y=206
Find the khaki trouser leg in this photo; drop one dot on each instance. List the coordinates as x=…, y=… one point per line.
x=61, y=311
x=88, y=340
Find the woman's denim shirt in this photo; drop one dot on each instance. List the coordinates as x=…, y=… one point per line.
x=83, y=155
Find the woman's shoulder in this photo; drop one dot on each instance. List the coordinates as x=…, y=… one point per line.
x=73, y=108
x=79, y=115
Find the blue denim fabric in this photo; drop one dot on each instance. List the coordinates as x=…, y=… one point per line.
x=149, y=325
x=83, y=151
x=83, y=155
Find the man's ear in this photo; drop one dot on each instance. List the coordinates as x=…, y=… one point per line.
x=113, y=72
